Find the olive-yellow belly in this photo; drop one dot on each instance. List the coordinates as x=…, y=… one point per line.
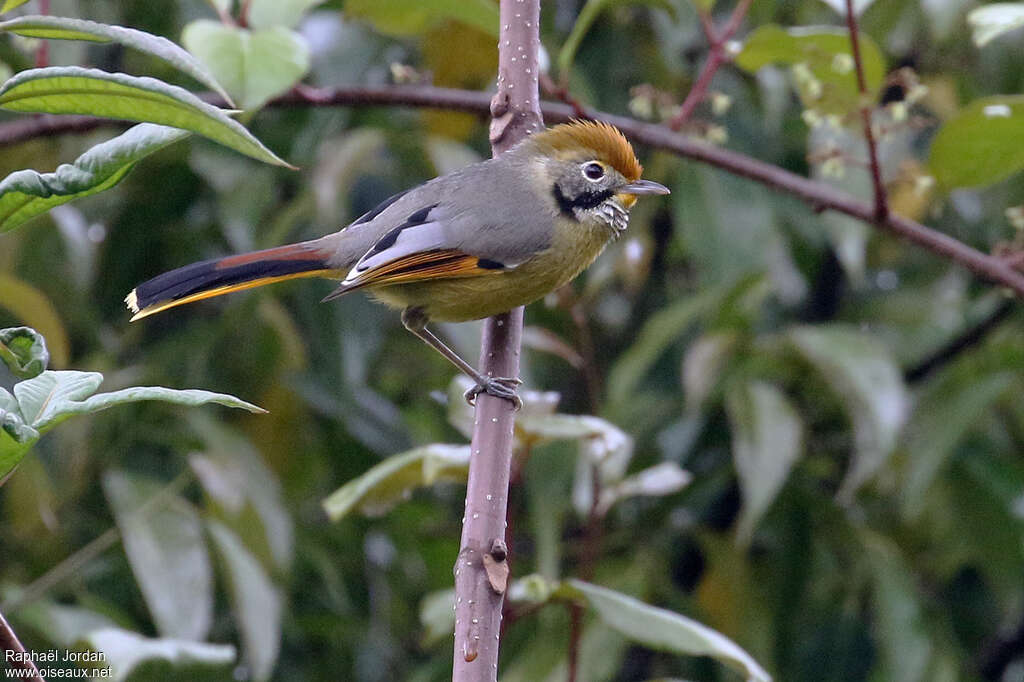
x=459, y=299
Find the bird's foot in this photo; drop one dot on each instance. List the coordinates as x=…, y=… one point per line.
x=500, y=387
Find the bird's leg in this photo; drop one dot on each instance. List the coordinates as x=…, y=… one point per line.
x=415, y=320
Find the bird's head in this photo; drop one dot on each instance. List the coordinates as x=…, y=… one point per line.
x=591, y=172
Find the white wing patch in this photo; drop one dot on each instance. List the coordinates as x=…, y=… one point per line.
x=399, y=242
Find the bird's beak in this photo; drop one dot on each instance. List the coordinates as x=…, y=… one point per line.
x=643, y=187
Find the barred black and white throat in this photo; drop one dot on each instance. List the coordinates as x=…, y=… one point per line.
x=613, y=214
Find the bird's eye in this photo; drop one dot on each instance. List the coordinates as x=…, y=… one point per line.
x=593, y=171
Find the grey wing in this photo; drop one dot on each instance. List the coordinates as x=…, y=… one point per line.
x=454, y=213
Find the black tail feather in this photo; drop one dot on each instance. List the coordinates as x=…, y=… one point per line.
x=221, y=275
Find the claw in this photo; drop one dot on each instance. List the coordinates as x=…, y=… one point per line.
x=500, y=387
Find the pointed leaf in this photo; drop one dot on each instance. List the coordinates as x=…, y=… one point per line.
x=826, y=79
x=24, y=352
x=900, y=621
x=656, y=481
x=971, y=149
x=253, y=65
x=256, y=601
x=26, y=193
x=63, y=625
x=766, y=442
x=657, y=334
x=63, y=28
x=663, y=630
x=946, y=411
x=54, y=396
x=865, y=379
x=991, y=21
x=74, y=90
x=167, y=552
x=132, y=656
x=703, y=364
x=395, y=478
x=234, y=474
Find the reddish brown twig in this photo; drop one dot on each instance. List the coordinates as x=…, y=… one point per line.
x=717, y=55
x=562, y=94
x=881, y=199
x=820, y=196
x=9, y=642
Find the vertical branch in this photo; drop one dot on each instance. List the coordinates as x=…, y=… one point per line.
x=481, y=570
x=881, y=201
x=9, y=642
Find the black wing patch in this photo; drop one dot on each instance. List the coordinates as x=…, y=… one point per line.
x=380, y=208
x=419, y=217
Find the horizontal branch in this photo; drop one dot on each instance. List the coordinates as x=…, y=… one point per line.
x=820, y=196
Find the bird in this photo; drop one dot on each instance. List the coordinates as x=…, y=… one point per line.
x=473, y=243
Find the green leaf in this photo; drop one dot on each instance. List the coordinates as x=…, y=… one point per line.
x=11, y=4
x=461, y=414
x=63, y=28
x=25, y=194
x=54, y=396
x=406, y=17
x=829, y=84
x=74, y=90
x=948, y=408
x=63, y=625
x=605, y=449
x=588, y=15
x=991, y=21
x=40, y=403
x=703, y=366
x=167, y=552
x=979, y=145
x=246, y=491
x=767, y=435
x=865, y=379
x=24, y=352
x=395, y=478
x=286, y=13
x=657, y=334
x=900, y=622
x=661, y=629
x=256, y=601
x=131, y=656
x=16, y=437
x=254, y=66
x=656, y=481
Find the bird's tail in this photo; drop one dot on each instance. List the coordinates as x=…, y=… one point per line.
x=210, y=278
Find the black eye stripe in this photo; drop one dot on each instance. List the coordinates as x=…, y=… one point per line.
x=586, y=200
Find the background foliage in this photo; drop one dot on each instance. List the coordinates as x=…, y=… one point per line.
x=792, y=429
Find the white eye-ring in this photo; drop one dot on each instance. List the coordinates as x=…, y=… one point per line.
x=593, y=171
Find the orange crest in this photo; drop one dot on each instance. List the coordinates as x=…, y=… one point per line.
x=605, y=141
